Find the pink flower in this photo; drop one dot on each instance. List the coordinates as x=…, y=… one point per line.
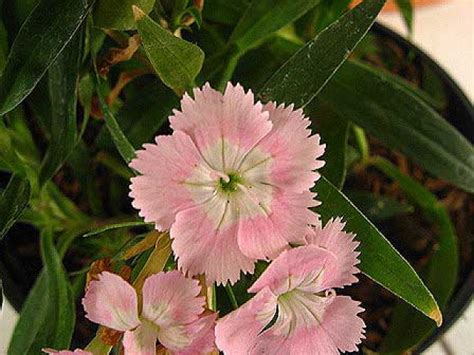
x=295, y=309
x=171, y=313
x=231, y=183
x=67, y=352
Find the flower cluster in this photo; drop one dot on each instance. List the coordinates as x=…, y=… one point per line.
x=232, y=184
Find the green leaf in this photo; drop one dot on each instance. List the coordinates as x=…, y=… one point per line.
x=407, y=327
x=334, y=133
x=13, y=201
x=32, y=316
x=379, y=260
x=63, y=79
x=47, y=30
x=121, y=142
x=61, y=308
x=117, y=226
x=263, y=17
x=407, y=12
x=402, y=121
x=378, y=208
x=302, y=77
x=3, y=45
x=224, y=11
x=176, y=61
x=118, y=14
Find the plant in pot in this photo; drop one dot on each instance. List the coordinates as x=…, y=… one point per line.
x=236, y=228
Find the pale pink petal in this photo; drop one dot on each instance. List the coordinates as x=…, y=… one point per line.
x=295, y=154
x=238, y=331
x=170, y=298
x=140, y=341
x=213, y=117
x=333, y=238
x=164, y=188
x=335, y=328
x=111, y=301
x=307, y=268
x=203, y=248
x=66, y=352
x=192, y=339
x=285, y=220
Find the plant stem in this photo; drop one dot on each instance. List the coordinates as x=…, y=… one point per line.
x=211, y=297
x=362, y=143
x=231, y=295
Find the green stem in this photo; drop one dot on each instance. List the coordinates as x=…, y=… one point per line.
x=231, y=295
x=211, y=297
x=362, y=143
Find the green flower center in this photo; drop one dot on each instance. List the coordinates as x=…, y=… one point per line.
x=232, y=185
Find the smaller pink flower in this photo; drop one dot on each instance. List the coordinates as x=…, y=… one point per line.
x=295, y=309
x=67, y=352
x=172, y=313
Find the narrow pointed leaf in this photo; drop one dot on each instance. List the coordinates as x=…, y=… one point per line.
x=263, y=17
x=46, y=31
x=63, y=79
x=176, y=61
x=302, y=77
x=13, y=201
x=117, y=226
x=117, y=14
x=379, y=260
x=402, y=121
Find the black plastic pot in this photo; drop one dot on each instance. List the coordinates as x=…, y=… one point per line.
x=19, y=274
x=460, y=113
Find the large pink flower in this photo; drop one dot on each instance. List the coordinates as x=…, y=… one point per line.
x=296, y=310
x=172, y=313
x=231, y=183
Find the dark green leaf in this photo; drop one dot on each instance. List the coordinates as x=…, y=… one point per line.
x=407, y=327
x=47, y=30
x=263, y=17
x=3, y=45
x=300, y=79
x=379, y=260
x=378, y=208
x=224, y=11
x=334, y=132
x=117, y=226
x=61, y=308
x=13, y=201
x=407, y=12
x=402, y=121
x=63, y=78
x=118, y=14
x=121, y=142
x=32, y=316
x=176, y=61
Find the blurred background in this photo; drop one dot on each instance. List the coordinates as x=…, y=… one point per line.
x=445, y=30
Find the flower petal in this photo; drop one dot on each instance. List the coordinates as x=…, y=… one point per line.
x=201, y=248
x=237, y=332
x=285, y=220
x=295, y=154
x=192, y=339
x=170, y=298
x=305, y=268
x=66, y=352
x=141, y=341
x=111, y=301
x=333, y=238
x=213, y=116
x=339, y=329
x=170, y=169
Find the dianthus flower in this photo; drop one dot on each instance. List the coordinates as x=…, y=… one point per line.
x=172, y=313
x=232, y=183
x=295, y=309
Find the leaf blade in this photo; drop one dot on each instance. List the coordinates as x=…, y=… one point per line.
x=305, y=74
x=176, y=61
x=389, y=111
x=46, y=31
x=13, y=201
